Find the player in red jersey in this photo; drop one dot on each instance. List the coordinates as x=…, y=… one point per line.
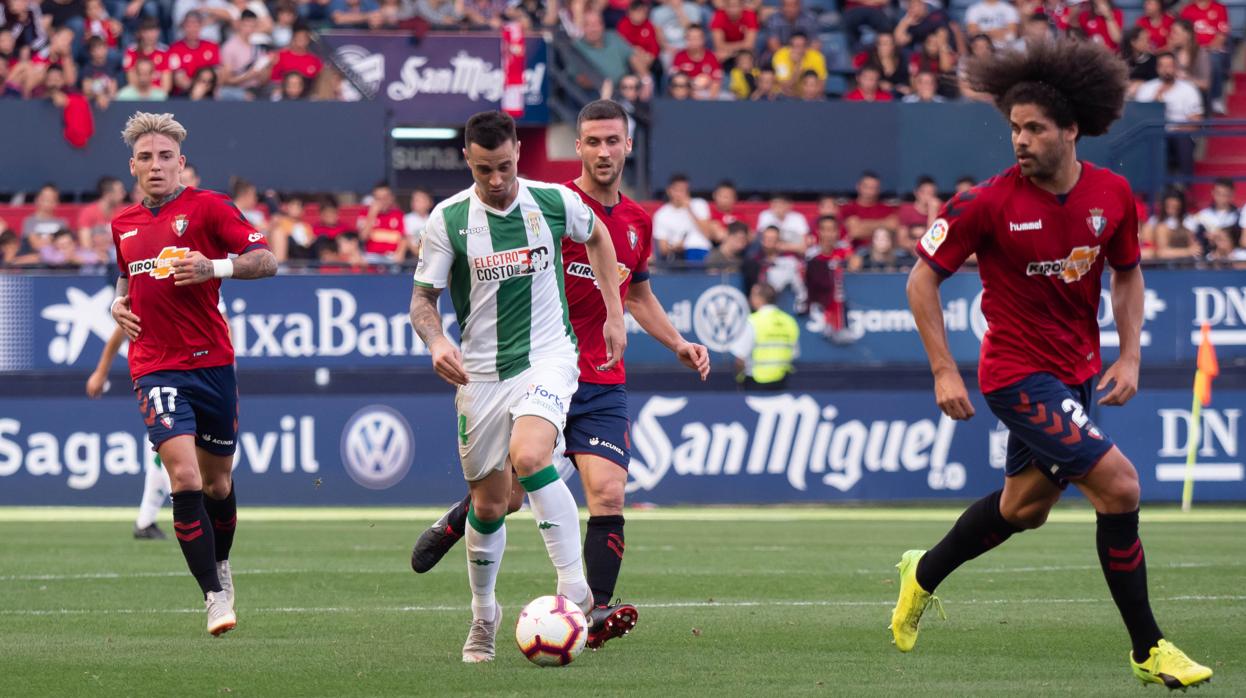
x=173, y=249
x=1042, y=232
x=595, y=440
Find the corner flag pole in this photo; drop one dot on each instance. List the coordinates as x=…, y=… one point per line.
x=1208, y=368
x=1187, y=493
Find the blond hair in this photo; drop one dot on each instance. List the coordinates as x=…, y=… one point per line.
x=143, y=123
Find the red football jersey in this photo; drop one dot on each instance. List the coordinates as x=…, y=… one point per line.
x=642, y=36
x=1096, y=27
x=707, y=65
x=387, y=233
x=733, y=30
x=1157, y=32
x=181, y=326
x=159, y=58
x=631, y=230
x=1041, y=261
x=1209, y=22
x=309, y=64
x=191, y=60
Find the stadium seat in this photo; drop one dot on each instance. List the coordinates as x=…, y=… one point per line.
x=835, y=49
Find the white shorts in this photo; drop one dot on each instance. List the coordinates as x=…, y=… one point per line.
x=488, y=409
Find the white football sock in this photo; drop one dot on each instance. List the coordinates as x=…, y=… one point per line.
x=484, y=559
x=559, y=522
x=156, y=489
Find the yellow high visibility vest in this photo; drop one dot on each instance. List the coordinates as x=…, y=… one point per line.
x=775, y=334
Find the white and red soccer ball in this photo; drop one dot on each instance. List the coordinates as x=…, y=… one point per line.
x=551, y=631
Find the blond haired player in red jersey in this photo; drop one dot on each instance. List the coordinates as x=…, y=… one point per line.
x=173, y=249
x=595, y=440
x=1043, y=231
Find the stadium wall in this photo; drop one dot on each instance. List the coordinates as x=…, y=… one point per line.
x=824, y=147
x=288, y=146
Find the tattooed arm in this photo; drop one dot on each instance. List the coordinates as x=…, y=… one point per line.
x=447, y=360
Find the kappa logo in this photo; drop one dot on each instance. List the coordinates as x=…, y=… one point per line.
x=180, y=224
x=377, y=447
x=160, y=266
x=476, y=230
x=1097, y=221
x=1069, y=269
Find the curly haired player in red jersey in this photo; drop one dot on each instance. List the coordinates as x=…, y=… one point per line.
x=173, y=249
x=595, y=440
x=1042, y=231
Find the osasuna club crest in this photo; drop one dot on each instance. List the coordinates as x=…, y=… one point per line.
x=632, y=237
x=1097, y=221
x=180, y=224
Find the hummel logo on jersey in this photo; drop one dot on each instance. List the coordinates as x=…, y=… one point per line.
x=546, y=525
x=160, y=266
x=1023, y=227
x=481, y=562
x=129, y=234
x=1070, y=269
x=511, y=263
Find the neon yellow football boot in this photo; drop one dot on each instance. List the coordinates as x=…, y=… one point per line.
x=1169, y=666
x=912, y=603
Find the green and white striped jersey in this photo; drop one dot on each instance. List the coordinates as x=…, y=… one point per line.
x=504, y=270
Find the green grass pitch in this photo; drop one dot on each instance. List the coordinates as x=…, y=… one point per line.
x=732, y=602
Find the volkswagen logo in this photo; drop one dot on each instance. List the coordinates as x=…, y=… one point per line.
x=377, y=447
x=719, y=316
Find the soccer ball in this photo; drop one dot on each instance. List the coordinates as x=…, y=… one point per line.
x=551, y=631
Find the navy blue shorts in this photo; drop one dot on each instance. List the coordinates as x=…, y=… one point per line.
x=1050, y=427
x=202, y=402
x=598, y=423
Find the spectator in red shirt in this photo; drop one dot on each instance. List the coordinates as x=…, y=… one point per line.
x=893, y=69
x=330, y=224
x=696, y=60
x=1102, y=23
x=382, y=228
x=1157, y=24
x=637, y=30
x=191, y=54
x=722, y=209
x=1211, y=28
x=1211, y=23
x=924, y=207
x=735, y=30
x=97, y=23
x=867, y=212
x=95, y=219
x=296, y=58
x=824, y=276
x=867, y=89
x=148, y=46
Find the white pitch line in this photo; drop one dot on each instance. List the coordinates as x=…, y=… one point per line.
x=664, y=604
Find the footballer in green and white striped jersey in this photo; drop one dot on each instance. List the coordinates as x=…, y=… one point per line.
x=504, y=272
